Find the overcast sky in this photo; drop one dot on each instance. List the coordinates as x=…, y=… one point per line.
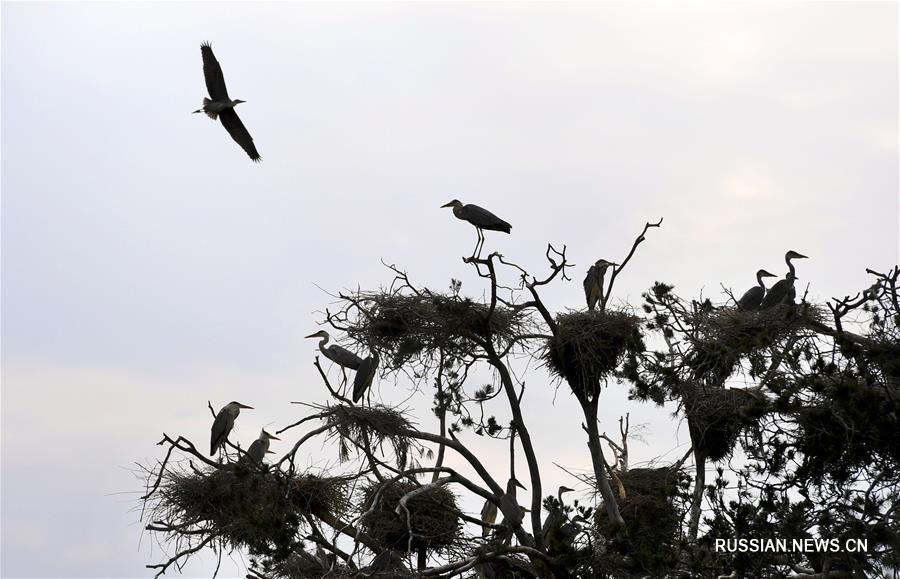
x=149, y=266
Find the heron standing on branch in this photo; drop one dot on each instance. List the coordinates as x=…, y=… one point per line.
x=782, y=291
x=337, y=354
x=223, y=424
x=479, y=217
x=593, y=282
x=260, y=447
x=753, y=297
x=221, y=106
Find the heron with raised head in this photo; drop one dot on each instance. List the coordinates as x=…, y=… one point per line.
x=593, y=282
x=556, y=514
x=782, y=291
x=337, y=354
x=753, y=297
x=220, y=106
x=260, y=447
x=365, y=374
x=507, y=500
x=481, y=218
x=223, y=424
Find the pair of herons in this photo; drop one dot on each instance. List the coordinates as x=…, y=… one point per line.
x=513, y=513
x=224, y=423
x=781, y=292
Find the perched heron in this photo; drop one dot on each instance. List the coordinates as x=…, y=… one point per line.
x=260, y=447
x=365, y=374
x=489, y=510
x=556, y=514
x=593, y=282
x=223, y=424
x=479, y=217
x=337, y=354
x=753, y=297
x=220, y=106
x=783, y=290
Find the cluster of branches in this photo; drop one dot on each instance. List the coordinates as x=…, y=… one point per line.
x=795, y=406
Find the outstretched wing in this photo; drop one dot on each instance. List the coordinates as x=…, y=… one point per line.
x=239, y=133
x=215, y=80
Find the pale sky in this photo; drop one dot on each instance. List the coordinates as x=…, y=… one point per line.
x=148, y=266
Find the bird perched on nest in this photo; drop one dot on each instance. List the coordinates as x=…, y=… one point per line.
x=221, y=106
x=753, y=297
x=593, y=282
x=223, y=424
x=507, y=503
x=337, y=354
x=782, y=291
x=479, y=217
x=260, y=447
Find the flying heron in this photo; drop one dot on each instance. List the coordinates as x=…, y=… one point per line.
x=221, y=106
x=593, y=282
x=753, y=297
x=260, y=447
x=337, y=354
x=223, y=424
x=479, y=217
x=783, y=290
x=365, y=374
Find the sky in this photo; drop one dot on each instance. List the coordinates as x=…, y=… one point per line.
x=149, y=267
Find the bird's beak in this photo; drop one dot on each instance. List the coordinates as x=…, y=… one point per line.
x=800, y=257
x=245, y=406
x=316, y=335
x=518, y=484
x=273, y=437
x=447, y=205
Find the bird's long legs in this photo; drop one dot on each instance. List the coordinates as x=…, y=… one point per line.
x=479, y=244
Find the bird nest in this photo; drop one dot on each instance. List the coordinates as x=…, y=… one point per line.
x=433, y=521
x=409, y=326
x=717, y=416
x=588, y=346
x=373, y=427
x=652, y=519
x=244, y=506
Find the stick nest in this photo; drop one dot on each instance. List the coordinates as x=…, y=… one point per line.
x=717, y=416
x=374, y=427
x=433, y=517
x=245, y=506
x=588, y=346
x=409, y=326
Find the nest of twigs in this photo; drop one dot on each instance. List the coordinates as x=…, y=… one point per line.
x=652, y=518
x=408, y=326
x=717, y=416
x=433, y=517
x=588, y=346
x=358, y=427
x=245, y=506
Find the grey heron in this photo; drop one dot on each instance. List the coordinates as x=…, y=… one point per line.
x=260, y=447
x=507, y=500
x=556, y=515
x=753, y=297
x=337, y=354
x=479, y=217
x=593, y=282
x=783, y=290
x=223, y=424
x=365, y=374
x=221, y=106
